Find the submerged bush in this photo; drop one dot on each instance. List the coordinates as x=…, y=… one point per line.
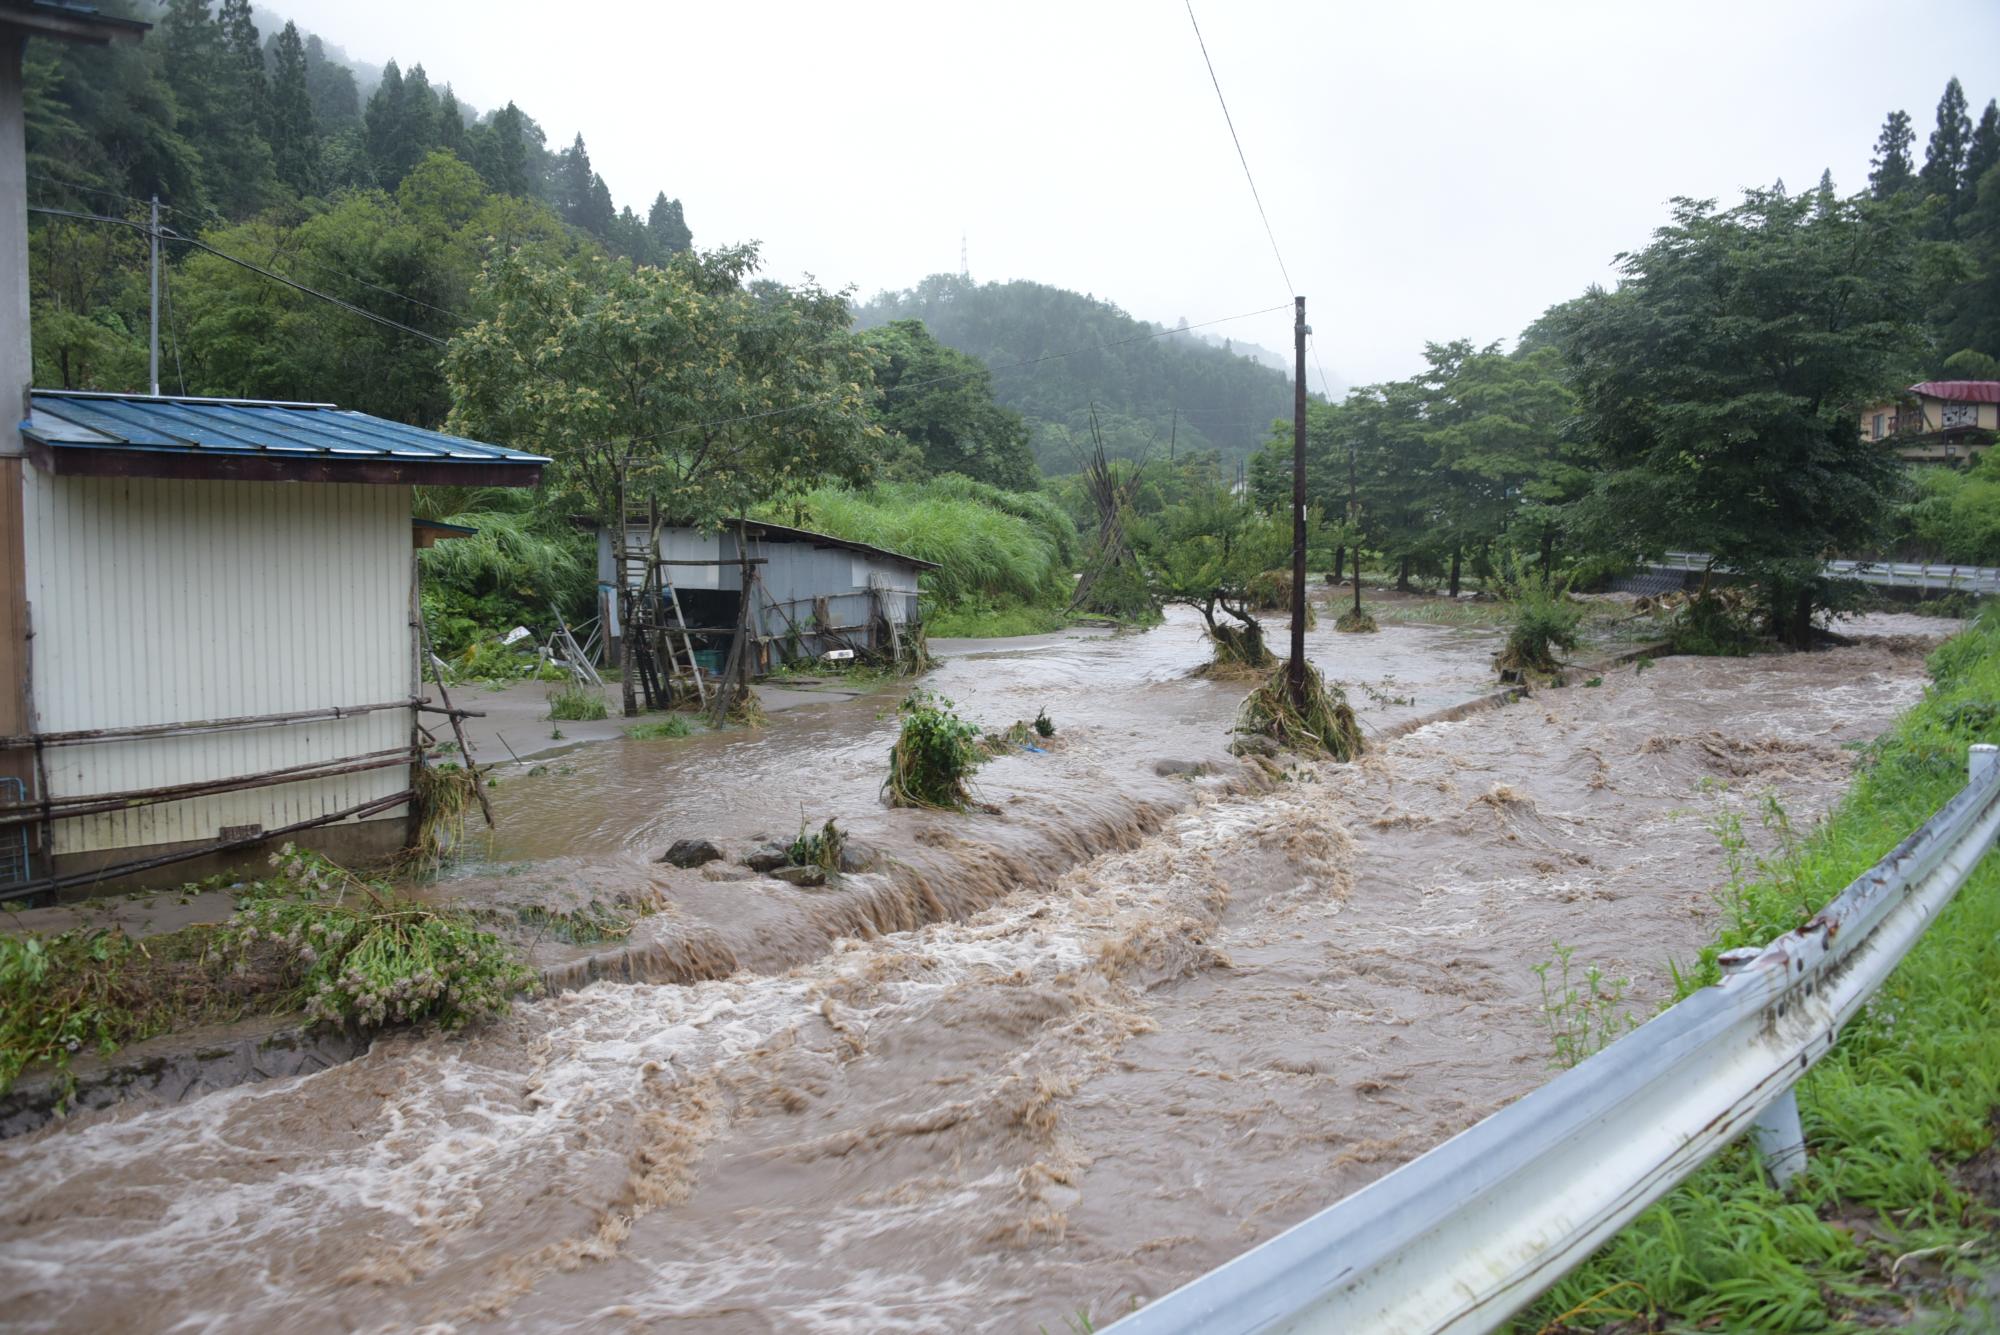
x=1545, y=620
x=1713, y=626
x=818, y=848
x=1325, y=722
x=359, y=954
x=934, y=756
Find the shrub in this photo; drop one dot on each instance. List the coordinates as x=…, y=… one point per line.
x=818, y=848
x=1324, y=723
x=934, y=756
x=577, y=702
x=1715, y=626
x=358, y=953
x=1545, y=620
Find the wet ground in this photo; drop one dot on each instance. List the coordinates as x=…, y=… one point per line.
x=1141, y=1022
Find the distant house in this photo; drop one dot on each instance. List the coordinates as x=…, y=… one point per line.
x=220, y=601
x=1938, y=421
x=815, y=593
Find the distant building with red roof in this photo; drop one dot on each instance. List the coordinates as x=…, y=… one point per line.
x=1937, y=421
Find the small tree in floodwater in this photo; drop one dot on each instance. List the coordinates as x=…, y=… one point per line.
x=1207, y=552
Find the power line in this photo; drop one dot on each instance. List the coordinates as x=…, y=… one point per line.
x=1230, y=121
x=347, y=306
x=169, y=234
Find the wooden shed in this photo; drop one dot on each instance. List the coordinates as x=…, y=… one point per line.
x=812, y=593
x=220, y=600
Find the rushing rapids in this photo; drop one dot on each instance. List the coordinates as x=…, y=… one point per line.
x=1079, y=1051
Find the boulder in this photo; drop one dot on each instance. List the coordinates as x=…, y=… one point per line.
x=1192, y=768
x=723, y=871
x=857, y=856
x=799, y=875
x=690, y=852
x=1253, y=744
x=767, y=857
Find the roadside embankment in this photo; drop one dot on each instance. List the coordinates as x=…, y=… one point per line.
x=1898, y=1208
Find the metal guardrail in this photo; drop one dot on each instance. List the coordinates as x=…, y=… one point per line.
x=1462, y=1238
x=1889, y=574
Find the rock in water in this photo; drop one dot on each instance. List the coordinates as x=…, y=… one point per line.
x=857, y=856
x=800, y=875
x=691, y=852
x=768, y=857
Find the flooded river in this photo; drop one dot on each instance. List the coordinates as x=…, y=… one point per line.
x=1142, y=1022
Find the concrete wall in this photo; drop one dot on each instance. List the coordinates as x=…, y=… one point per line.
x=158, y=601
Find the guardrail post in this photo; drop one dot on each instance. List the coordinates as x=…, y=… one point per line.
x=1981, y=760
x=1780, y=1140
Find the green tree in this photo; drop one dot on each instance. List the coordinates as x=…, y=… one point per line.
x=1982, y=154
x=294, y=132
x=1203, y=553
x=336, y=100
x=502, y=155
x=676, y=384
x=668, y=227
x=401, y=123
x=1893, y=170
x=1943, y=175
x=220, y=94
x=1717, y=386
x=941, y=401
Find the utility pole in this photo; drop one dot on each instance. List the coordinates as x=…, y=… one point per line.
x=1354, y=521
x=1296, y=675
x=153, y=235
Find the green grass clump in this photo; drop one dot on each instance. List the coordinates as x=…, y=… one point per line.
x=1909, y=1091
x=818, y=848
x=577, y=703
x=934, y=756
x=671, y=726
x=357, y=953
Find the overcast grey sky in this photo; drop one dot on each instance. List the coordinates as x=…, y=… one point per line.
x=1432, y=171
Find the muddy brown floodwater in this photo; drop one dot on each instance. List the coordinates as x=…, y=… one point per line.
x=1066, y=1101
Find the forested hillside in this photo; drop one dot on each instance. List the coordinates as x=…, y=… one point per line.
x=1148, y=391
x=262, y=147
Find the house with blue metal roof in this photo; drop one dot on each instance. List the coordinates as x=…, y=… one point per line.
x=223, y=650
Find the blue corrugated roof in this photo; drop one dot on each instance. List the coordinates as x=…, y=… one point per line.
x=317, y=432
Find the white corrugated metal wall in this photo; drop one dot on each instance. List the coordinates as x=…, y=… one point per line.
x=158, y=601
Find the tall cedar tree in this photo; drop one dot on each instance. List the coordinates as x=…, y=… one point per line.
x=1718, y=386
x=1893, y=169
x=1943, y=176
x=294, y=130
x=1983, y=155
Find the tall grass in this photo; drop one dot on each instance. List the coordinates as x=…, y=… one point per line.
x=1908, y=1092
x=994, y=548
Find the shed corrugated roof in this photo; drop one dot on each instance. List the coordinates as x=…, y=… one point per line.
x=1960, y=391
x=217, y=437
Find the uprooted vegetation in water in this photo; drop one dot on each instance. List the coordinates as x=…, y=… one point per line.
x=818, y=848
x=1545, y=621
x=445, y=794
x=310, y=937
x=1323, y=723
x=1893, y=1217
x=934, y=757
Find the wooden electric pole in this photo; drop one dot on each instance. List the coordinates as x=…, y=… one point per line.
x=1296, y=672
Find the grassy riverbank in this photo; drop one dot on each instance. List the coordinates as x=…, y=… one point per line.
x=1898, y=1209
